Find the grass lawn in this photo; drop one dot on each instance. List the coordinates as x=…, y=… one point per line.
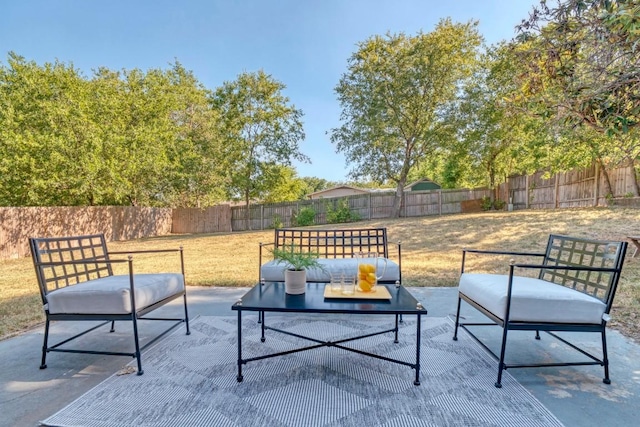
x=431, y=255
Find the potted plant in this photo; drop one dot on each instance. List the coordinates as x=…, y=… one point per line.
x=296, y=261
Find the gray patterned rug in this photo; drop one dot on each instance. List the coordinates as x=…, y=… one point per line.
x=191, y=381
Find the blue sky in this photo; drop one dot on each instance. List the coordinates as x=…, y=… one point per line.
x=304, y=44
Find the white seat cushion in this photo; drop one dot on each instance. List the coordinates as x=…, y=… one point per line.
x=111, y=295
x=532, y=300
x=274, y=272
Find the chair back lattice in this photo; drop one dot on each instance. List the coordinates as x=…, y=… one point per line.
x=577, y=252
x=334, y=243
x=55, y=260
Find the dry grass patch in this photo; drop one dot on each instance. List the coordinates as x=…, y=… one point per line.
x=431, y=255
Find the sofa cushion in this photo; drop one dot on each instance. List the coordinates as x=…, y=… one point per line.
x=111, y=294
x=532, y=300
x=274, y=272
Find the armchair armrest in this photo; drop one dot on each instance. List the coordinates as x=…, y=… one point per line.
x=145, y=251
x=153, y=251
x=495, y=252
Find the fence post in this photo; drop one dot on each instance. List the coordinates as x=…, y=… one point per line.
x=404, y=203
x=369, y=208
x=526, y=191
x=596, y=185
x=555, y=192
x=439, y=201
x=261, y=217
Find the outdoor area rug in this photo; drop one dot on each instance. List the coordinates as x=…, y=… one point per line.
x=190, y=380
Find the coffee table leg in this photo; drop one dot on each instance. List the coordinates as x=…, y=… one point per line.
x=417, y=381
x=262, y=338
x=395, y=341
x=239, y=377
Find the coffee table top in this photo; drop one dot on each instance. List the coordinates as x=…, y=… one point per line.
x=271, y=296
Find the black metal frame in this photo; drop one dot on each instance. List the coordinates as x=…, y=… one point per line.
x=419, y=311
x=589, y=266
x=334, y=243
x=66, y=261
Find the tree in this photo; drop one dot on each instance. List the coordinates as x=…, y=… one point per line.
x=261, y=130
x=286, y=186
x=495, y=139
x=47, y=140
x=393, y=99
x=129, y=137
x=581, y=67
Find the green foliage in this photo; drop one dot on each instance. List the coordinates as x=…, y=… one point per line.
x=117, y=138
x=277, y=222
x=611, y=201
x=285, y=185
x=262, y=133
x=295, y=258
x=304, y=218
x=583, y=56
x=342, y=212
x=485, y=203
x=393, y=97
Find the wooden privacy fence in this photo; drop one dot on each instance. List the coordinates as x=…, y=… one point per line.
x=370, y=206
x=17, y=224
x=208, y=220
x=576, y=188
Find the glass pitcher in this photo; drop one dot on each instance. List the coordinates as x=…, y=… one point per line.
x=369, y=270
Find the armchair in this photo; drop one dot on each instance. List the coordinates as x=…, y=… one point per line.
x=76, y=282
x=573, y=292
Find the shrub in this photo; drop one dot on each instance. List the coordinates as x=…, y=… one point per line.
x=498, y=204
x=305, y=217
x=277, y=222
x=485, y=203
x=342, y=213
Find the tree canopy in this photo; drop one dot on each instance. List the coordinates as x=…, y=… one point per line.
x=394, y=96
x=563, y=94
x=580, y=67
x=262, y=131
x=130, y=137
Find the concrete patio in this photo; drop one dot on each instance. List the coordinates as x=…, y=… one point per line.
x=575, y=395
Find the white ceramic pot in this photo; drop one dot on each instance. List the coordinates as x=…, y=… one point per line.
x=295, y=281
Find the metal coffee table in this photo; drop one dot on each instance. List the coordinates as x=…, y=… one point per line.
x=271, y=297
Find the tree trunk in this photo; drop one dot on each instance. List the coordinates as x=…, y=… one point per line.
x=607, y=181
x=397, y=200
x=247, y=213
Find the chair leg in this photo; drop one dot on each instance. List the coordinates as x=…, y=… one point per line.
x=137, y=343
x=186, y=314
x=605, y=358
x=455, y=330
x=43, y=363
x=503, y=348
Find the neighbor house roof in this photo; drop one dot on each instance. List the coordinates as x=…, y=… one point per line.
x=338, y=189
x=427, y=183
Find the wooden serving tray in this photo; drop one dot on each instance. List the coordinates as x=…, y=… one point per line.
x=381, y=293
